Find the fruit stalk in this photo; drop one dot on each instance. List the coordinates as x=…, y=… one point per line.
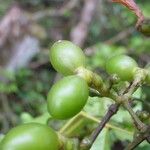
x=93, y=80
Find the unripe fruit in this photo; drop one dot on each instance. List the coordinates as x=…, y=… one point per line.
x=66, y=57
x=67, y=97
x=32, y=136
x=122, y=65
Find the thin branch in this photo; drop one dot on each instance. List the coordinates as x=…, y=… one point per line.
x=139, y=139
x=140, y=125
x=139, y=78
x=109, y=126
x=111, y=111
x=131, y=5
x=135, y=142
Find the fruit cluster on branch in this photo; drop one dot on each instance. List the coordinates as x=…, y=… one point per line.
x=68, y=96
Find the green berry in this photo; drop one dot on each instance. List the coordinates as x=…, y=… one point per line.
x=66, y=57
x=123, y=66
x=67, y=97
x=31, y=136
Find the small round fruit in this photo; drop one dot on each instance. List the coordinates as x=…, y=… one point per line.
x=65, y=57
x=67, y=97
x=31, y=136
x=122, y=65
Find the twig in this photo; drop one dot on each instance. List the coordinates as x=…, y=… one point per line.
x=143, y=128
x=133, y=87
x=131, y=5
x=111, y=111
x=109, y=126
x=135, y=143
x=138, y=139
x=140, y=126
x=71, y=122
x=94, y=80
x=139, y=78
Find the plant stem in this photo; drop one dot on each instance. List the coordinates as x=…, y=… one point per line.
x=141, y=126
x=66, y=143
x=111, y=111
x=85, y=115
x=71, y=124
x=135, y=143
x=139, y=139
x=93, y=80
x=139, y=78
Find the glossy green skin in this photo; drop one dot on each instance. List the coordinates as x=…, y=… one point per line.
x=32, y=136
x=67, y=97
x=122, y=65
x=65, y=57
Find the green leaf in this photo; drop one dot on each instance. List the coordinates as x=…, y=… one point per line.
x=138, y=93
x=123, y=135
x=97, y=106
x=143, y=146
x=102, y=142
x=122, y=117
